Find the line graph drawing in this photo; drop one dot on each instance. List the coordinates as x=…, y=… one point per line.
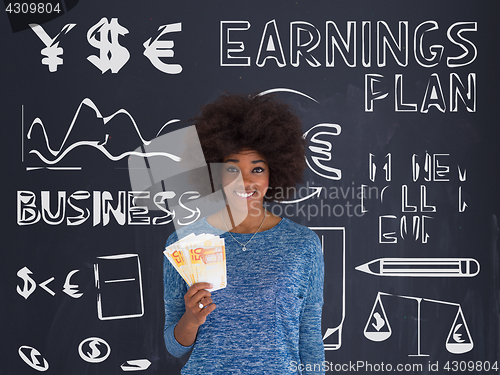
x=59, y=153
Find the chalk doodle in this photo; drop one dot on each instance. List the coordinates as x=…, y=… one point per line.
x=378, y=329
x=94, y=350
x=118, y=277
x=333, y=247
x=71, y=289
x=29, y=284
x=421, y=267
x=33, y=358
x=136, y=365
x=57, y=154
x=321, y=148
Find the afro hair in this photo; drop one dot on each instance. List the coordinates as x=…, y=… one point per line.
x=261, y=123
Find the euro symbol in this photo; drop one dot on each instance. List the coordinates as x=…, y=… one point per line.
x=69, y=289
x=457, y=336
x=163, y=48
x=322, y=150
x=29, y=284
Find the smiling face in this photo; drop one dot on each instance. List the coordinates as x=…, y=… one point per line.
x=248, y=192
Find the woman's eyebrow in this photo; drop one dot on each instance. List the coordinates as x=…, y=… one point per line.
x=237, y=161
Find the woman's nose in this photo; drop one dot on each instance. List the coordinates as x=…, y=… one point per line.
x=247, y=178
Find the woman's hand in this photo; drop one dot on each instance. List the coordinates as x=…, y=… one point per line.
x=198, y=304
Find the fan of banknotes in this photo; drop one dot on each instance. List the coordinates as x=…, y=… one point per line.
x=199, y=258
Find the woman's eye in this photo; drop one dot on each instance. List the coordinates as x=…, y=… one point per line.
x=258, y=170
x=231, y=169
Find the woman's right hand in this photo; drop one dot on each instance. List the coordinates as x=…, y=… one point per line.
x=198, y=303
x=187, y=328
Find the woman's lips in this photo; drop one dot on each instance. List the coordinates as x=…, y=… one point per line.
x=245, y=194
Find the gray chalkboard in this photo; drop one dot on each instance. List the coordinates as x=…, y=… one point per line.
x=399, y=103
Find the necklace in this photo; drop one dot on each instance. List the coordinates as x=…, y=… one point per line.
x=244, y=246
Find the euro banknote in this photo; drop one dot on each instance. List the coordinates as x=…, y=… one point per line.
x=199, y=258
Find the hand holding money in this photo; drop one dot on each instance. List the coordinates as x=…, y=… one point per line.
x=199, y=304
x=201, y=261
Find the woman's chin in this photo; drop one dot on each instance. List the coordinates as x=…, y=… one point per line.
x=238, y=207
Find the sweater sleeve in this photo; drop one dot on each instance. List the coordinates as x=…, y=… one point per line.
x=310, y=341
x=174, y=289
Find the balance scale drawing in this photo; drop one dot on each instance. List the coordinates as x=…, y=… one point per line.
x=378, y=328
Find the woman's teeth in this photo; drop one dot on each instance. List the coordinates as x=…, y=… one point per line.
x=244, y=195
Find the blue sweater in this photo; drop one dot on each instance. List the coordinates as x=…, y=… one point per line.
x=268, y=318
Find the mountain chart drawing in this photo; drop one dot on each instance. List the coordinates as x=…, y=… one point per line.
x=66, y=146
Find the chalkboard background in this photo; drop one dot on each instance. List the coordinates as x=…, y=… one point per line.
x=439, y=117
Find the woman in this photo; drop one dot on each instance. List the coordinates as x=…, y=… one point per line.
x=268, y=318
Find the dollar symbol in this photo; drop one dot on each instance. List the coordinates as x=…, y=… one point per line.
x=95, y=351
x=112, y=55
x=29, y=284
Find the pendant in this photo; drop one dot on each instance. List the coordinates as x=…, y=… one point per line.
x=244, y=248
